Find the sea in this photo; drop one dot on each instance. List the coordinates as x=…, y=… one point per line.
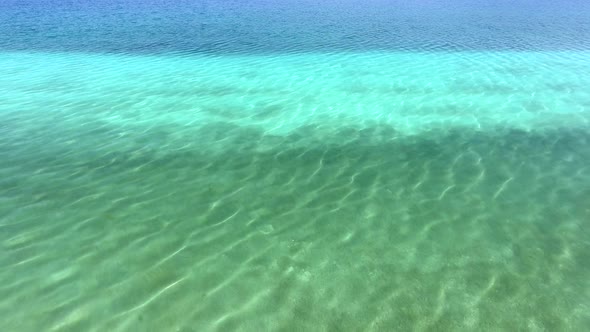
x=294, y=165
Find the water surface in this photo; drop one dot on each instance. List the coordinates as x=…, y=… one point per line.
x=263, y=166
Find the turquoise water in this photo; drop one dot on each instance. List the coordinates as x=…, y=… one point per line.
x=407, y=186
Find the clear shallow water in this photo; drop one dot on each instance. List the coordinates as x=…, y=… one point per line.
x=410, y=185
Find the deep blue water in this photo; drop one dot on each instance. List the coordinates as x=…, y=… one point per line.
x=265, y=26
